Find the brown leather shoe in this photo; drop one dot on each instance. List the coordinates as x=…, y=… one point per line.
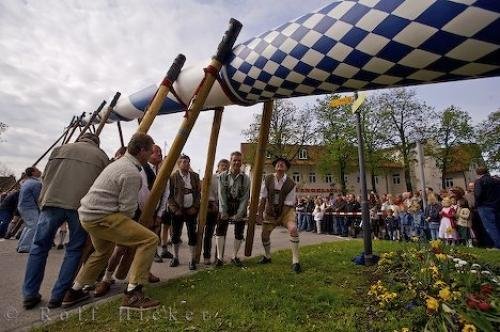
x=73, y=297
x=152, y=278
x=135, y=300
x=102, y=288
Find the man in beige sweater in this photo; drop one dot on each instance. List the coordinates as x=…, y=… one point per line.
x=106, y=214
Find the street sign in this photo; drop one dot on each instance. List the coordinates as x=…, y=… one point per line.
x=341, y=101
x=358, y=102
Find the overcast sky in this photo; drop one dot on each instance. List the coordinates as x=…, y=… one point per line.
x=60, y=58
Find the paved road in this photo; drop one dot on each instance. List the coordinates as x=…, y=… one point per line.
x=14, y=318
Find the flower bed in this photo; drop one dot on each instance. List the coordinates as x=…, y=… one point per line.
x=444, y=288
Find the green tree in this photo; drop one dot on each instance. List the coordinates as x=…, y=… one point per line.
x=404, y=119
x=453, y=128
x=291, y=128
x=488, y=138
x=374, y=137
x=338, y=133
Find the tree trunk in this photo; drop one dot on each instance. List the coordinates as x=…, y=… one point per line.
x=407, y=174
x=374, y=185
x=342, y=179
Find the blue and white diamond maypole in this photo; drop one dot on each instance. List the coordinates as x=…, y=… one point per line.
x=349, y=46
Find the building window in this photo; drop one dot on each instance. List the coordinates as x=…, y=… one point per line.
x=312, y=177
x=296, y=177
x=328, y=178
x=268, y=155
x=303, y=154
x=448, y=182
x=396, y=178
x=376, y=179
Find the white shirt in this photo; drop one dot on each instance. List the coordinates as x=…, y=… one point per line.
x=278, y=184
x=188, y=198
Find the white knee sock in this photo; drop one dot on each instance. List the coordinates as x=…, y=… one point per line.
x=237, y=245
x=294, y=243
x=176, y=250
x=220, y=242
x=108, y=275
x=267, y=248
x=77, y=286
x=318, y=226
x=130, y=287
x=192, y=250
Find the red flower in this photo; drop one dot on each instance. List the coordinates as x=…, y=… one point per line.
x=486, y=289
x=475, y=301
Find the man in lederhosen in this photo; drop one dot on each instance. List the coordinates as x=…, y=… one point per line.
x=184, y=203
x=277, y=206
x=234, y=192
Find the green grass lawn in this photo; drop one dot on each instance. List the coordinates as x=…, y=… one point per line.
x=329, y=295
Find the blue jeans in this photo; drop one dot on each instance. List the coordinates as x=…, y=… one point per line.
x=302, y=221
x=491, y=222
x=30, y=218
x=310, y=222
x=5, y=218
x=51, y=218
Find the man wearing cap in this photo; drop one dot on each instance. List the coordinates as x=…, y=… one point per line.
x=277, y=207
x=184, y=203
x=70, y=172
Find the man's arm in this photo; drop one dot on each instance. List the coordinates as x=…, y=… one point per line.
x=242, y=208
x=129, y=192
x=172, y=204
x=222, y=197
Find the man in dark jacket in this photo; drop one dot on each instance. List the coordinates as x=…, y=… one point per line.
x=487, y=197
x=7, y=209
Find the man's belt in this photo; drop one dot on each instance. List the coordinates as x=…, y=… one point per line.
x=188, y=191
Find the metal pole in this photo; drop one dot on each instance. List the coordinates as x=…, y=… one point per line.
x=75, y=125
x=257, y=174
x=365, y=214
x=207, y=179
x=421, y=163
x=194, y=109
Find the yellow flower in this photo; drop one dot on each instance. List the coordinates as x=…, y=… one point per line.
x=439, y=284
x=435, y=244
x=441, y=257
x=449, y=230
x=445, y=294
x=432, y=304
x=456, y=295
x=469, y=328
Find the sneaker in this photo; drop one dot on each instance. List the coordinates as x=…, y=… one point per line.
x=264, y=260
x=102, y=288
x=192, y=265
x=73, y=297
x=174, y=262
x=236, y=262
x=31, y=302
x=152, y=278
x=52, y=304
x=165, y=253
x=296, y=268
x=135, y=300
x=157, y=259
x=219, y=263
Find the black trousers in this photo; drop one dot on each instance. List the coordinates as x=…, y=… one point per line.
x=239, y=228
x=178, y=223
x=209, y=233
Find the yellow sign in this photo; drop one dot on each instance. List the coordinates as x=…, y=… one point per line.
x=358, y=102
x=341, y=101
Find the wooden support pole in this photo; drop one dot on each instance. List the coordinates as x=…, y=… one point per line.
x=106, y=115
x=120, y=133
x=91, y=120
x=207, y=179
x=75, y=125
x=71, y=124
x=194, y=109
x=162, y=92
x=257, y=174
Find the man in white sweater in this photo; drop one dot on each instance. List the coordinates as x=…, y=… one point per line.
x=106, y=214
